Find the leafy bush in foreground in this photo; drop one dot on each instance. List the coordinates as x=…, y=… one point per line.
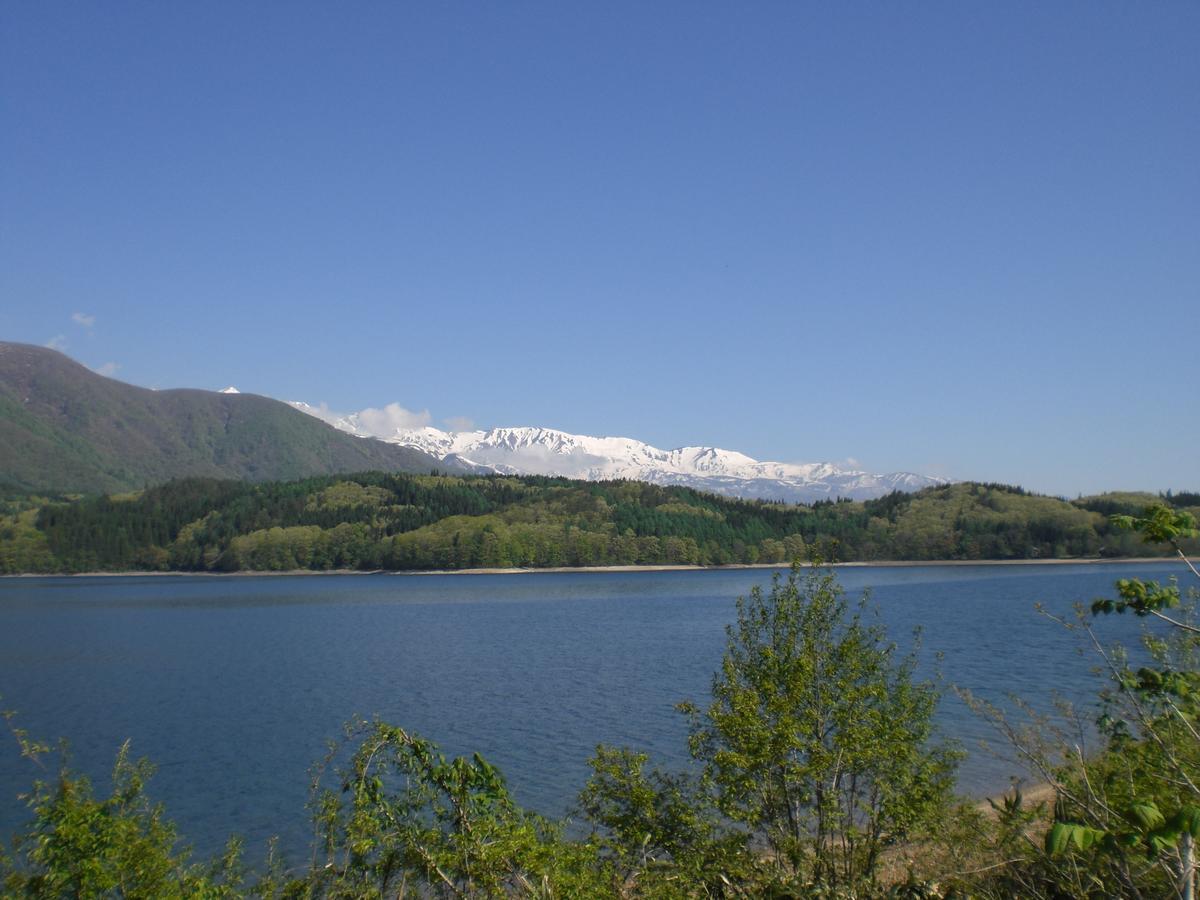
x=1124, y=820
x=819, y=777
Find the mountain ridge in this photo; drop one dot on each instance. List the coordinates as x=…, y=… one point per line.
x=64, y=428
x=535, y=450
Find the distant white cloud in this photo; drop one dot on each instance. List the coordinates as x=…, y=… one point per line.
x=83, y=319
x=385, y=422
x=370, y=422
x=459, y=423
x=108, y=370
x=58, y=342
x=320, y=411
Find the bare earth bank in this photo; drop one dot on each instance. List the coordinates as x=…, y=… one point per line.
x=585, y=569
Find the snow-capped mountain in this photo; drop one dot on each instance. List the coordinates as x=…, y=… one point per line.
x=545, y=451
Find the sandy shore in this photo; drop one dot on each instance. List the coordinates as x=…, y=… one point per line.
x=589, y=569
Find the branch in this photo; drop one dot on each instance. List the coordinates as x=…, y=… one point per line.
x=1186, y=627
x=1007, y=862
x=1145, y=719
x=424, y=854
x=31, y=750
x=1187, y=562
x=1183, y=719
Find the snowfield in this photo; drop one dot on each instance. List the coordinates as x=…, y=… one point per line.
x=546, y=451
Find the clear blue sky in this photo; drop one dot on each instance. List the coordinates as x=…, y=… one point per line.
x=953, y=238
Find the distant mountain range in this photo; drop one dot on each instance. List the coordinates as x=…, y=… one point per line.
x=545, y=451
x=63, y=428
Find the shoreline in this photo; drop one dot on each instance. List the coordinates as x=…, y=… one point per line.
x=575, y=570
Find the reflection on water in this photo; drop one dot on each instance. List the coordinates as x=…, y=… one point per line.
x=233, y=686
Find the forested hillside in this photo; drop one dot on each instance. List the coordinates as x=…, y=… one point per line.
x=408, y=522
x=65, y=428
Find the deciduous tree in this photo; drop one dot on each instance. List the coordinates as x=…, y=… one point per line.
x=819, y=738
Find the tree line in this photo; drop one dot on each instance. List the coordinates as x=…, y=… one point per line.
x=378, y=520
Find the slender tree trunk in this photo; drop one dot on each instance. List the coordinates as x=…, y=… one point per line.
x=1187, y=865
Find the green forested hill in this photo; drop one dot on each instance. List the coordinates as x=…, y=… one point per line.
x=64, y=428
x=393, y=521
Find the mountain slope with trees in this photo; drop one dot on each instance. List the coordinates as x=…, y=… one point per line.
x=378, y=520
x=63, y=428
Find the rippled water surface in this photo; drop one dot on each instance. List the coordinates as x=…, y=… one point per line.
x=234, y=685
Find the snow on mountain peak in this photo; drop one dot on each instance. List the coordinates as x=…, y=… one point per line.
x=532, y=450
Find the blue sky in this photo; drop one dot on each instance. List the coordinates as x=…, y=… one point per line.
x=953, y=238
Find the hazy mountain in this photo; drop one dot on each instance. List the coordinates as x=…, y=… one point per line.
x=545, y=451
x=65, y=428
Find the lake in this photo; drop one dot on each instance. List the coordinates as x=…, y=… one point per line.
x=234, y=685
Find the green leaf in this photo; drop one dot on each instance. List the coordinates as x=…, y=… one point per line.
x=1146, y=816
x=1058, y=838
x=1188, y=819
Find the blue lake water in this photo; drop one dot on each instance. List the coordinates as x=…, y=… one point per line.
x=234, y=685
